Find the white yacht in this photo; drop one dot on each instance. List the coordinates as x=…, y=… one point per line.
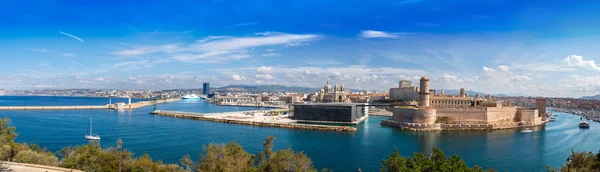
x=92, y=136
x=190, y=96
x=527, y=130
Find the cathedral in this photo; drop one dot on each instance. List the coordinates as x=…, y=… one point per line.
x=331, y=95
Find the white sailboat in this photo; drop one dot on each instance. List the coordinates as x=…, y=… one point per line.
x=92, y=136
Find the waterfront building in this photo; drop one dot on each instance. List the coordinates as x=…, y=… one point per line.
x=206, y=88
x=351, y=113
x=404, y=92
x=437, y=112
x=232, y=100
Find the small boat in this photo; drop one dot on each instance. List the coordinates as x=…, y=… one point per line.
x=92, y=136
x=584, y=124
x=190, y=96
x=552, y=119
x=527, y=130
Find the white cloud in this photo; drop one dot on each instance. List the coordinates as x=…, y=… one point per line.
x=242, y=24
x=264, y=39
x=575, y=60
x=448, y=78
x=237, y=77
x=69, y=35
x=378, y=34
x=264, y=76
x=220, y=49
x=264, y=69
x=501, y=74
x=271, y=54
x=67, y=54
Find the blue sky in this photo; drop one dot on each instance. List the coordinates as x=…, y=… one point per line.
x=545, y=48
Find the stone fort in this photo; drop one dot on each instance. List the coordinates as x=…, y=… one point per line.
x=451, y=112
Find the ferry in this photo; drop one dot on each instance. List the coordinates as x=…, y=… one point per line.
x=190, y=96
x=584, y=124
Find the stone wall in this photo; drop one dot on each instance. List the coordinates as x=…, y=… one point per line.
x=467, y=115
x=529, y=116
x=421, y=115
x=498, y=115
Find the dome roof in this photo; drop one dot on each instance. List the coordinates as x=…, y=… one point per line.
x=424, y=78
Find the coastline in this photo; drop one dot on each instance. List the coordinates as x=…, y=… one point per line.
x=88, y=107
x=249, y=118
x=588, y=114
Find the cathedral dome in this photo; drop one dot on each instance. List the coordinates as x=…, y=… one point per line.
x=327, y=87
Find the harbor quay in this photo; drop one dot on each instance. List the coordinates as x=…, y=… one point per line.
x=117, y=106
x=255, y=118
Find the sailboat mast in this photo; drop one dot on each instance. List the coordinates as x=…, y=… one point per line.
x=90, y=125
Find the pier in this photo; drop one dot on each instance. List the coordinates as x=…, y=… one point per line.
x=248, y=118
x=90, y=107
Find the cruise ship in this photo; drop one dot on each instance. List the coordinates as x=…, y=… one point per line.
x=190, y=96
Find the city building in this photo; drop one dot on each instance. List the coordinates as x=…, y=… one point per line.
x=351, y=113
x=206, y=89
x=291, y=98
x=440, y=112
x=232, y=100
x=404, y=92
x=331, y=95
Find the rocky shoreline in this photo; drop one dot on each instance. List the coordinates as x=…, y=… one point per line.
x=451, y=127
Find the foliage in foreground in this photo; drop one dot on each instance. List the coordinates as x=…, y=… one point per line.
x=437, y=161
x=91, y=157
x=21, y=152
x=581, y=161
x=231, y=157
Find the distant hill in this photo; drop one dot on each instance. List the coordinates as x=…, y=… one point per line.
x=512, y=94
x=457, y=92
x=596, y=97
x=266, y=88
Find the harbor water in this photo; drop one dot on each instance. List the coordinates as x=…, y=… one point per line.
x=171, y=138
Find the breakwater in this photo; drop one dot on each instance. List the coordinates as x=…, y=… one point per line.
x=245, y=121
x=84, y=107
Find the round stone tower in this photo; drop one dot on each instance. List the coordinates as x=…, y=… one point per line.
x=462, y=92
x=424, y=93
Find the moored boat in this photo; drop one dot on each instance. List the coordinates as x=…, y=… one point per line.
x=92, y=136
x=584, y=124
x=190, y=96
x=552, y=119
x=527, y=130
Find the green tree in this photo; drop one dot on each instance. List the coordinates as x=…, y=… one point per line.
x=225, y=157
x=34, y=157
x=581, y=161
x=436, y=161
x=7, y=132
x=187, y=162
x=90, y=157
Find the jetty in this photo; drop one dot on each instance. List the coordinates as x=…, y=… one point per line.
x=90, y=107
x=254, y=118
